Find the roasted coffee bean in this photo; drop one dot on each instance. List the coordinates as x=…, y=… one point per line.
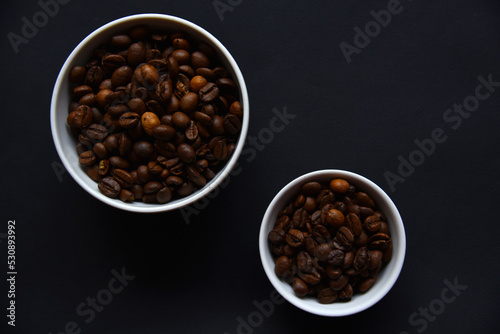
x=181, y=120
x=311, y=188
x=103, y=167
x=327, y=296
x=335, y=218
x=109, y=187
x=335, y=257
x=136, y=54
x=93, y=172
x=143, y=149
x=362, y=259
x=323, y=251
x=129, y=120
x=353, y=222
x=283, y=266
x=217, y=125
x=100, y=151
x=363, y=199
x=372, y=223
x=375, y=259
x=294, y=238
x=77, y=74
x=340, y=186
x=276, y=236
x=345, y=236
x=226, y=85
x=304, y=262
x=346, y=292
x=164, y=195
x=186, y=153
x=123, y=178
x=338, y=283
x=126, y=196
x=333, y=272
x=300, y=287
x=208, y=93
x=124, y=144
x=87, y=158
x=121, y=76
x=164, y=91
x=136, y=105
x=312, y=277
x=366, y=284
x=94, y=76
x=81, y=118
x=119, y=162
x=325, y=197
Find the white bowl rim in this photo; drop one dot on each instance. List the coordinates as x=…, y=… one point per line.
x=178, y=203
x=335, y=309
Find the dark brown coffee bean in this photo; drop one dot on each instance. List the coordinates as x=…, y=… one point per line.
x=182, y=56
x=80, y=91
x=164, y=195
x=276, y=236
x=333, y=272
x=116, y=109
x=185, y=189
x=304, y=262
x=123, y=178
x=129, y=120
x=282, y=223
x=379, y=241
x=295, y=238
x=88, y=100
x=199, y=59
x=338, y=283
x=164, y=148
x=348, y=259
x=189, y=102
x=152, y=187
x=109, y=187
x=226, y=85
x=345, y=236
x=173, y=67
x=119, y=162
x=126, y=196
x=81, y=118
x=327, y=296
x=217, y=126
x=388, y=252
x=103, y=168
x=220, y=150
x=136, y=105
x=77, y=74
x=186, y=153
x=325, y=197
x=362, y=259
x=282, y=266
x=143, y=149
x=311, y=278
x=208, y=93
x=311, y=188
x=136, y=54
x=323, y=251
x=121, y=41
x=192, y=131
x=100, y=151
x=363, y=199
x=366, y=284
x=94, y=76
x=163, y=132
x=353, y=222
x=121, y=76
x=93, y=172
x=181, y=120
x=87, y=158
x=300, y=287
x=372, y=224
x=164, y=91
x=335, y=258
x=375, y=259
x=346, y=292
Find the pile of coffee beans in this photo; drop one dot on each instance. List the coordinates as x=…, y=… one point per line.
x=155, y=115
x=330, y=241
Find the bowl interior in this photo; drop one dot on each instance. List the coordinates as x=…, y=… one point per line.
x=65, y=142
x=385, y=279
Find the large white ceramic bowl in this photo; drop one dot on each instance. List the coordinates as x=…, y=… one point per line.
x=61, y=97
x=385, y=279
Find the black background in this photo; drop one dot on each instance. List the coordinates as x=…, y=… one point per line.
x=203, y=276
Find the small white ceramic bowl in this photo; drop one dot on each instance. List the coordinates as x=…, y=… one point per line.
x=65, y=142
x=385, y=279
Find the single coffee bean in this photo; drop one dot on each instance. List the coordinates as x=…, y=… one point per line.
x=123, y=178
x=109, y=187
x=143, y=149
x=333, y=272
x=77, y=74
x=340, y=186
x=127, y=195
x=100, y=151
x=346, y=292
x=300, y=287
x=94, y=76
x=121, y=76
x=362, y=259
x=232, y=124
x=335, y=218
x=186, y=153
x=236, y=109
x=327, y=296
x=311, y=188
x=164, y=195
x=353, y=222
x=136, y=54
x=226, y=85
x=81, y=118
x=304, y=262
x=283, y=266
x=323, y=251
x=87, y=158
x=345, y=236
x=276, y=236
x=311, y=278
x=149, y=121
x=372, y=223
x=295, y=238
x=152, y=187
x=181, y=120
x=335, y=258
x=217, y=126
x=163, y=132
x=164, y=91
x=199, y=59
x=93, y=172
x=363, y=199
x=325, y=197
x=208, y=93
x=338, y=283
x=129, y=120
x=119, y=162
x=121, y=41
x=189, y=102
x=366, y=284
